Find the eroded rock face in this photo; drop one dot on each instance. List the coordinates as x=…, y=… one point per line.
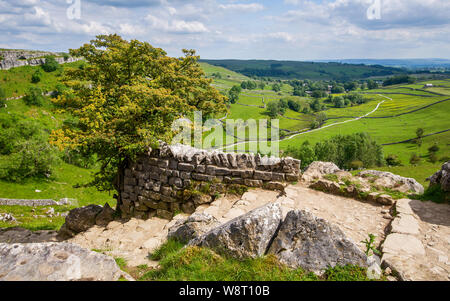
x=396, y=182
x=192, y=227
x=318, y=169
x=442, y=178
x=246, y=236
x=314, y=244
x=55, y=262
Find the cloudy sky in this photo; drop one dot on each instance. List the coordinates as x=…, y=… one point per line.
x=239, y=29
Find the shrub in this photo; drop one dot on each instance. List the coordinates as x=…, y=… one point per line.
x=34, y=97
x=34, y=158
x=415, y=159
x=342, y=150
x=36, y=77
x=357, y=164
x=78, y=158
x=393, y=160
x=433, y=149
x=50, y=64
x=433, y=157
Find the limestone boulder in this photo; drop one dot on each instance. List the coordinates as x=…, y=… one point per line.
x=314, y=244
x=442, y=178
x=79, y=220
x=248, y=235
x=392, y=181
x=56, y=262
x=318, y=169
x=192, y=227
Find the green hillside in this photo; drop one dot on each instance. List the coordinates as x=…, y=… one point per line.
x=304, y=70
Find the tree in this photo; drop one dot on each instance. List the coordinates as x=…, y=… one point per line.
x=36, y=77
x=276, y=87
x=339, y=102
x=233, y=94
x=2, y=98
x=415, y=159
x=337, y=89
x=294, y=105
x=135, y=92
x=34, y=97
x=50, y=64
x=371, y=84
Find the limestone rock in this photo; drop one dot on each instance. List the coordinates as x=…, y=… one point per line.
x=192, y=227
x=105, y=216
x=389, y=180
x=318, y=169
x=442, y=178
x=80, y=219
x=314, y=244
x=56, y=262
x=21, y=235
x=248, y=235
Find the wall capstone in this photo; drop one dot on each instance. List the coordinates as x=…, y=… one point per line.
x=177, y=178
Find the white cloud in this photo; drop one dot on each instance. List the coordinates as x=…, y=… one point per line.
x=250, y=7
x=176, y=26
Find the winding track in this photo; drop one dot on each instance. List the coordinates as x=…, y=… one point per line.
x=309, y=131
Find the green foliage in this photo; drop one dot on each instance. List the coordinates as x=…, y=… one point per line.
x=346, y=273
x=171, y=246
x=2, y=97
x=393, y=160
x=304, y=70
x=370, y=248
x=294, y=105
x=36, y=77
x=276, y=87
x=415, y=159
x=31, y=158
x=233, y=94
x=50, y=64
x=342, y=150
x=434, y=193
x=34, y=97
x=371, y=84
x=276, y=107
x=399, y=79
x=135, y=93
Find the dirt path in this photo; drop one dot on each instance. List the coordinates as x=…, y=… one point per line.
x=310, y=131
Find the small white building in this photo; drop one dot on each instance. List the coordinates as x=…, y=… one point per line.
x=428, y=85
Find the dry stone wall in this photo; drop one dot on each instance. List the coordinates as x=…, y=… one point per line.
x=18, y=58
x=180, y=178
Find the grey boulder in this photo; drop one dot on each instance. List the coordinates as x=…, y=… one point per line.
x=442, y=178
x=313, y=244
x=56, y=262
x=248, y=235
x=194, y=226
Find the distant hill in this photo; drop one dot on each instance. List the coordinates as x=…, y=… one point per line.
x=400, y=63
x=305, y=70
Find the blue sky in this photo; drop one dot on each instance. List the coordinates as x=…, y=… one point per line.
x=238, y=29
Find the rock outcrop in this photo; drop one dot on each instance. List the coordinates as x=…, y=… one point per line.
x=318, y=169
x=442, y=178
x=314, y=244
x=82, y=219
x=56, y=262
x=18, y=58
x=192, y=227
x=246, y=236
x=391, y=181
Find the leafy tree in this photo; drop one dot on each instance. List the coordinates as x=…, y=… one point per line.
x=339, y=102
x=233, y=94
x=276, y=87
x=351, y=86
x=337, y=89
x=50, y=64
x=34, y=97
x=126, y=99
x=294, y=105
x=433, y=149
x=36, y=77
x=371, y=84
x=393, y=160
